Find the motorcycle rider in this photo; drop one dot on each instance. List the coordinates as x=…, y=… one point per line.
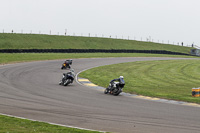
x=120, y=79
x=68, y=63
x=72, y=73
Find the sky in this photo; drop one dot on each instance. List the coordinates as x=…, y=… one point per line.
x=163, y=21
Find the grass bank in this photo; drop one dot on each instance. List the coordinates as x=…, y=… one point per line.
x=34, y=41
x=16, y=125
x=171, y=79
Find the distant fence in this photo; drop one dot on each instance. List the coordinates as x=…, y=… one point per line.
x=88, y=51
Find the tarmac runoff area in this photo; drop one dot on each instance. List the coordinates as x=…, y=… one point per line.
x=87, y=83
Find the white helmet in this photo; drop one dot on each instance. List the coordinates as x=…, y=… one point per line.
x=121, y=77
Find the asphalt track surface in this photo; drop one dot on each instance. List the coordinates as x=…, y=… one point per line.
x=31, y=90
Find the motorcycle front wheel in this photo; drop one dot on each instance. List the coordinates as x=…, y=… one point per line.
x=62, y=67
x=106, y=91
x=66, y=82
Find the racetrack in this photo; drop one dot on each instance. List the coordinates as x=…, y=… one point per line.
x=31, y=90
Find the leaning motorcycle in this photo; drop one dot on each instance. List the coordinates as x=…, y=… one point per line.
x=115, y=89
x=65, y=66
x=66, y=79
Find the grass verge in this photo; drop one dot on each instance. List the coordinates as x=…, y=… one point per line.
x=24, y=57
x=171, y=79
x=16, y=125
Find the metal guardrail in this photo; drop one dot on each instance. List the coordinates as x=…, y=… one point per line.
x=89, y=51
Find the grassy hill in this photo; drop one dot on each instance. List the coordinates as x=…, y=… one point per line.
x=35, y=41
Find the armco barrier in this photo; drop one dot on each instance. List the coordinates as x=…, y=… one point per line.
x=88, y=51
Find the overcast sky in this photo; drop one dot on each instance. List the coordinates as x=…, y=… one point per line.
x=159, y=20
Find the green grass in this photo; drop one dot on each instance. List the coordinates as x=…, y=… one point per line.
x=6, y=58
x=172, y=79
x=16, y=125
x=34, y=41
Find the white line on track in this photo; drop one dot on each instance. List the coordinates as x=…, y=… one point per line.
x=52, y=123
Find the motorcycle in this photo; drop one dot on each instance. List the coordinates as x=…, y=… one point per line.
x=66, y=79
x=115, y=89
x=66, y=64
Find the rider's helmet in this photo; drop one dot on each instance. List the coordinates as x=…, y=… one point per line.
x=121, y=77
x=70, y=60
